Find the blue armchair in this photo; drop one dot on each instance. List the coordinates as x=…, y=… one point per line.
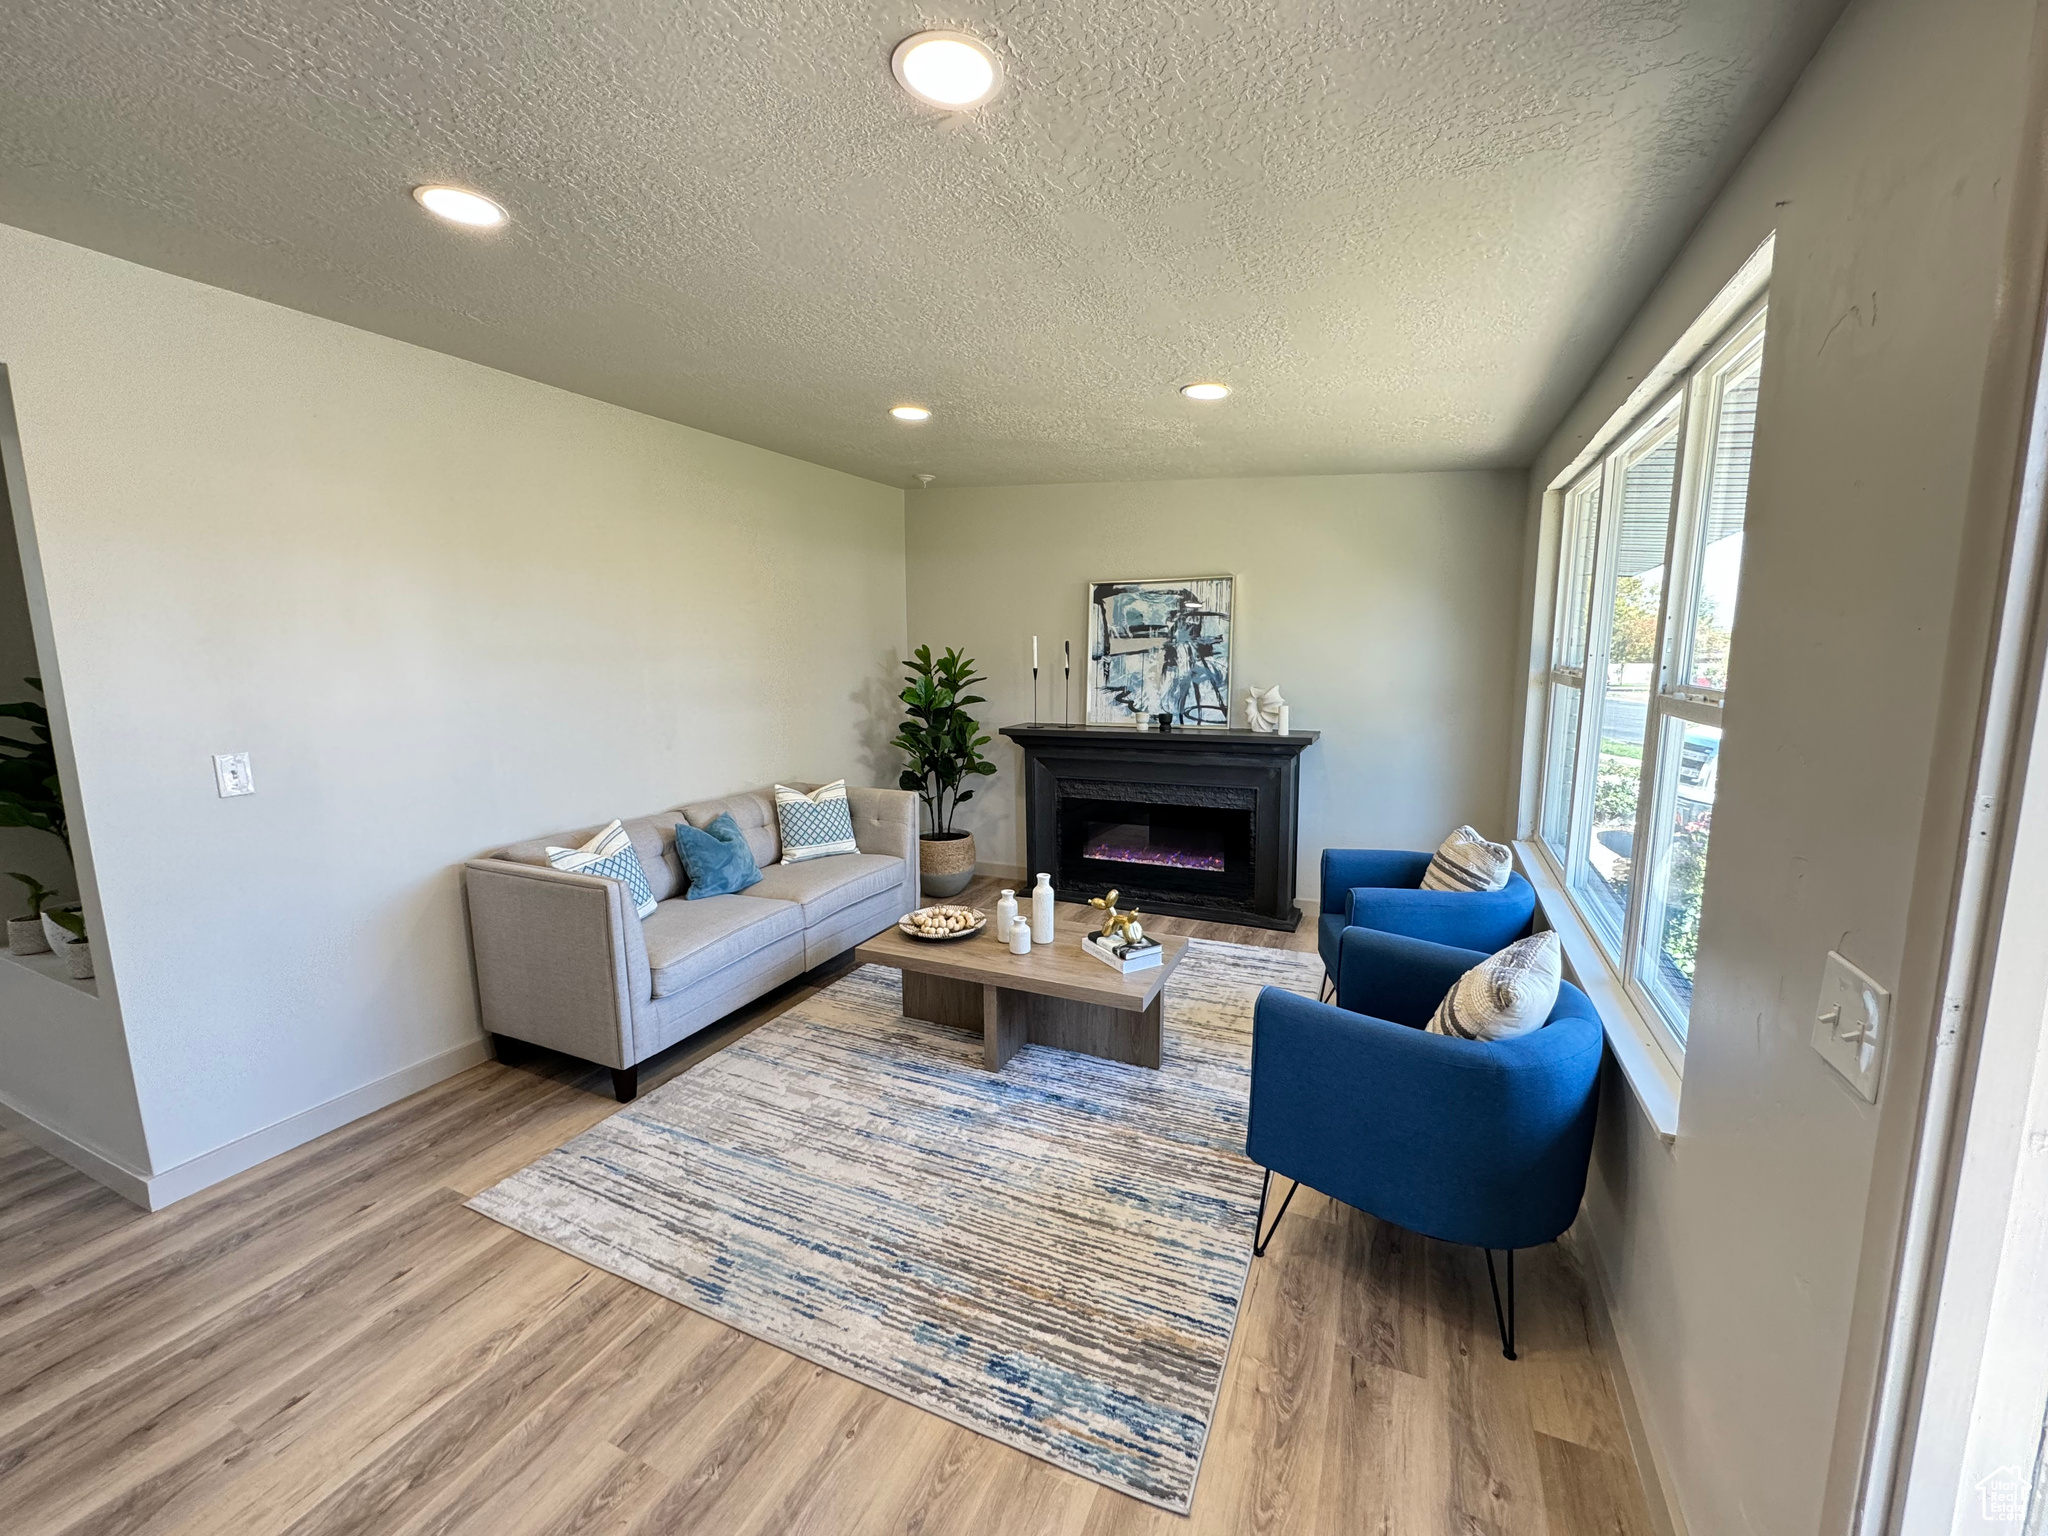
x=1467, y=1141
x=1381, y=888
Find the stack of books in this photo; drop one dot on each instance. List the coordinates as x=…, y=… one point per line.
x=1119, y=956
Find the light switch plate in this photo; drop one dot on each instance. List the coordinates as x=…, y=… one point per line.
x=1852, y=1025
x=232, y=772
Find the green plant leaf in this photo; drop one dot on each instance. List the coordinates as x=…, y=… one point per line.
x=38, y=893
x=29, y=791
x=940, y=740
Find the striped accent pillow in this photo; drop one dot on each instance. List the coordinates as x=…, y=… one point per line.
x=815, y=825
x=610, y=854
x=1504, y=995
x=1468, y=862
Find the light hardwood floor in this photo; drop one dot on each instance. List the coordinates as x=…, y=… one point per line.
x=331, y=1343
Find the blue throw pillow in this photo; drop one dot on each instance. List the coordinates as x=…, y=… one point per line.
x=716, y=858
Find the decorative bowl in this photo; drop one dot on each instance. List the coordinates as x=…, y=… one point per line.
x=972, y=919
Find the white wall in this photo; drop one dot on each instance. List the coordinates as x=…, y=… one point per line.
x=65, y=1076
x=442, y=607
x=1383, y=605
x=1741, y=1261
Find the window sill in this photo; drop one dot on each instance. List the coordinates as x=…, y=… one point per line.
x=1651, y=1074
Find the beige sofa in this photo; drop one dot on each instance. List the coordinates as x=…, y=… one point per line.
x=563, y=961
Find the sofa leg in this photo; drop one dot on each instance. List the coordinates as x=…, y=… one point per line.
x=1505, y=1319
x=505, y=1050
x=1329, y=992
x=1261, y=1233
x=626, y=1083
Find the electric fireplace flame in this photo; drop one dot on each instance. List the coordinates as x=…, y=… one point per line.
x=1178, y=848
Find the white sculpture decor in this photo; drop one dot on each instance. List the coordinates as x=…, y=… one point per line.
x=1265, y=710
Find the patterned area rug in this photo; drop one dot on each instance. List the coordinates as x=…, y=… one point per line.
x=1052, y=1256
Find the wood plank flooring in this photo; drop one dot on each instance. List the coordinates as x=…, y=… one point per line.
x=330, y=1343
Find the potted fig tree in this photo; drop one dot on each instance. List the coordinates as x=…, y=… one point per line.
x=943, y=743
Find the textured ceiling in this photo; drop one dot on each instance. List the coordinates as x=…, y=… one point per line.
x=1405, y=230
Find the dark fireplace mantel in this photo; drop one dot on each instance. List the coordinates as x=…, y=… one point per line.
x=1188, y=823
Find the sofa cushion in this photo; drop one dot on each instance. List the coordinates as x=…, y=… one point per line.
x=815, y=824
x=716, y=859
x=1468, y=862
x=654, y=839
x=754, y=812
x=1504, y=995
x=689, y=940
x=822, y=887
x=611, y=855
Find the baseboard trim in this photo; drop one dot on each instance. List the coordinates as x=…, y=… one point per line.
x=1651, y=1469
x=155, y=1191
x=224, y=1162
x=119, y=1177
x=1010, y=872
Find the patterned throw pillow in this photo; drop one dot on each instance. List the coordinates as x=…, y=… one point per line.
x=611, y=855
x=1505, y=995
x=1468, y=862
x=815, y=825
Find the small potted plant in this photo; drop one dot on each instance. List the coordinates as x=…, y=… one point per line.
x=25, y=933
x=63, y=924
x=942, y=742
x=31, y=797
x=65, y=929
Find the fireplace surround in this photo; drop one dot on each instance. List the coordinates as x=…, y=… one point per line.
x=1187, y=823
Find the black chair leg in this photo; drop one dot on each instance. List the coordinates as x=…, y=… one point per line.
x=626, y=1083
x=1261, y=1233
x=1505, y=1319
x=1329, y=991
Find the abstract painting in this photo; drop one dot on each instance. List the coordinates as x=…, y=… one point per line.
x=1160, y=648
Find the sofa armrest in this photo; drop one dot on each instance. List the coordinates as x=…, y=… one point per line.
x=1481, y=920
x=1391, y=976
x=560, y=960
x=1344, y=868
x=885, y=821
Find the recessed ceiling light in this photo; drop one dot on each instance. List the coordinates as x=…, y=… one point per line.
x=910, y=413
x=947, y=69
x=458, y=206
x=1205, y=391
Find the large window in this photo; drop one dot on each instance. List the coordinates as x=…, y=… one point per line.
x=1649, y=552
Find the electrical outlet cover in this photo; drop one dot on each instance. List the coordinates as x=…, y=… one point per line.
x=1852, y=1025
x=231, y=771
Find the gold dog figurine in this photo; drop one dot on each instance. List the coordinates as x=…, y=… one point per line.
x=1117, y=925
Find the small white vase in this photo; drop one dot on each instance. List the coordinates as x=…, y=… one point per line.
x=1041, y=910
x=1006, y=916
x=1020, y=937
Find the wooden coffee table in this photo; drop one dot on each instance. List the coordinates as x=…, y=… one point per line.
x=1056, y=995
